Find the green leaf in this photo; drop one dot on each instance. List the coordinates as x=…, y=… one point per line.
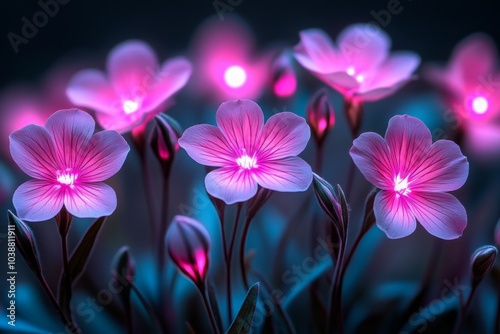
x=82, y=252
x=242, y=323
x=25, y=243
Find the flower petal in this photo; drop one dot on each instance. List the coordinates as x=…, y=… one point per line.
x=70, y=129
x=120, y=122
x=371, y=155
x=284, y=134
x=393, y=214
x=231, y=184
x=104, y=155
x=340, y=81
x=380, y=93
x=398, y=67
x=172, y=76
x=131, y=65
x=444, y=168
x=363, y=47
x=90, y=200
x=474, y=58
x=441, y=214
x=290, y=174
x=37, y=200
x=33, y=151
x=316, y=51
x=206, y=145
x=241, y=123
x=408, y=140
x=90, y=88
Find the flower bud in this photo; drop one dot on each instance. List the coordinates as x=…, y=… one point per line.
x=124, y=264
x=482, y=262
x=330, y=203
x=188, y=244
x=284, y=78
x=163, y=141
x=353, y=110
x=320, y=115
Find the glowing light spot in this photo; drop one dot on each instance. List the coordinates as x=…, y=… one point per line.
x=351, y=71
x=401, y=186
x=360, y=78
x=247, y=162
x=480, y=105
x=235, y=76
x=322, y=124
x=130, y=106
x=286, y=85
x=66, y=177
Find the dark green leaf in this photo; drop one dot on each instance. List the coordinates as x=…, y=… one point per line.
x=242, y=323
x=25, y=243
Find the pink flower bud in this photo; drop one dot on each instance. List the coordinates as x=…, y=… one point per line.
x=284, y=78
x=320, y=115
x=166, y=132
x=482, y=262
x=188, y=244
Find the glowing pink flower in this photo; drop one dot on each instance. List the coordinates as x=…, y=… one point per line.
x=188, y=244
x=413, y=174
x=470, y=83
x=68, y=164
x=360, y=65
x=226, y=66
x=134, y=89
x=250, y=153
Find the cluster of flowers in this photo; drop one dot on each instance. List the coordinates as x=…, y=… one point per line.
x=251, y=156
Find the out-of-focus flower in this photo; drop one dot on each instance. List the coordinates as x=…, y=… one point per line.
x=134, y=89
x=414, y=175
x=226, y=65
x=188, y=244
x=470, y=84
x=250, y=153
x=360, y=65
x=23, y=104
x=68, y=164
x=320, y=115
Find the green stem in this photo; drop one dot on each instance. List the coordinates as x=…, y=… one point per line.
x=229, y=259
x=148, y=307
x=210, y=312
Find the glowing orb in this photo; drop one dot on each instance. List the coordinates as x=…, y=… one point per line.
x=130, y=106
x=235, y=76
x=480, y=105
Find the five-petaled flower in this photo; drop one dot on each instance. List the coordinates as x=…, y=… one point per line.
x=68, y=163
x=250, y=153
x=414, y=175
x=135, y=88
x=360, y=66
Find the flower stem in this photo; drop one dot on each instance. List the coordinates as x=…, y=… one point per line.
x=463, y=311
x=335, y=316
x=161, y=243
x=210, y=312
x=54, y=303
x=244, y=236
x=147, y=306
x=318, y=164
x=350, y=179
x=229, y=258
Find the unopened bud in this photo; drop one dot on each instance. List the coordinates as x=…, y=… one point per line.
x=482, y=262
x=163, y=141
x=320, y=115
x=188, y=244
x=284, y=78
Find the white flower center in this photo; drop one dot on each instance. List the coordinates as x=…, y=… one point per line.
x=67, y=177
x=480, y=105
x=352, y=71
x=235, y=76
x=401, y=186
x=130, y=106
x=247, y=162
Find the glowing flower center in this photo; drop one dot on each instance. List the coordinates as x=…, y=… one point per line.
x=130, y=106
x=401, y=186
x=67, y=177
x=235, y=76
x=480, y=105
x=351, y=71
x=247, y=162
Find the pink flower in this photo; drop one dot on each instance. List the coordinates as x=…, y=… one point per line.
x=360, y=64
x=68, y=164
x=250, y=153
x=413, y=174
x=226, y=64
x=470, y=84
x=134, y=88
